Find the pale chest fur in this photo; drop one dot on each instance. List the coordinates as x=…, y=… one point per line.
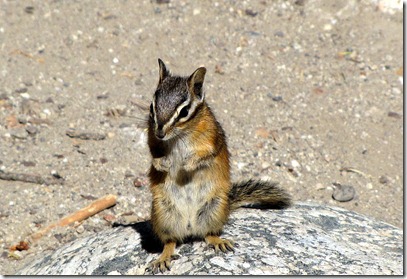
x=187, y=193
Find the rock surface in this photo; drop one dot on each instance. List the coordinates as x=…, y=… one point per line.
x=309, y=93
x=304, y=239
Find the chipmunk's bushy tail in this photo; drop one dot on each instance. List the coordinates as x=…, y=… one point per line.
x=258, y=194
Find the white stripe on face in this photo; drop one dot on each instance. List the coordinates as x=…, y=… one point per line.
x=171, y=121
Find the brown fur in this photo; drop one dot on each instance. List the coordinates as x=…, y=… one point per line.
x=190, y=171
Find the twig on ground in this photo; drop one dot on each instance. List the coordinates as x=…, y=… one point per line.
x=80, y=215
x=348, y=169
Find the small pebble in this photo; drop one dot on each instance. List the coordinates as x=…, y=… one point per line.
x=343, y=193
x=28, y=163
x=19, y=133
x=109, y=217
x=22, y=118
x=32, y=130
x=29, y=9
x=262, y=132
x=80, y=229
x=295, y=164
x=55, y=174
x=18, y=255
x=250, y=12
x=59, y=237
x=277, y=98
x=383, y=179
x=103, y=96
x=21, y=90
x=265, y=165
x=328, y=27
x=128, y=174
x=279, y=34
x=394, y=115
x=138, y=182
x=293, y=171
x=25, y=95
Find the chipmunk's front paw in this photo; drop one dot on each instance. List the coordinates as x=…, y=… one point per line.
x=192, y=163
x=189, y=166
x=162, y=164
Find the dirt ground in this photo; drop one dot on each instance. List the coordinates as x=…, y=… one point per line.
x=310, y=94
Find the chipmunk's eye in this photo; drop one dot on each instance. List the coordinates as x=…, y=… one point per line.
x=184, y=112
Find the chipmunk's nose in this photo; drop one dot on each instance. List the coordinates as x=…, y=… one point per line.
x=159, y=132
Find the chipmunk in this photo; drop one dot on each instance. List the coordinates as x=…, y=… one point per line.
x=190, y=172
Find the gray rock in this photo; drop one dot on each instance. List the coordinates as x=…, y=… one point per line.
x=304, y=239
x=19, y=133
x=32, y=130
x=343, y=193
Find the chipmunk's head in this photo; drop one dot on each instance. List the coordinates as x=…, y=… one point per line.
x=175, y=102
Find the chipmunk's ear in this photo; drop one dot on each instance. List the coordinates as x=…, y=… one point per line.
x=163, y=71
x=195, y=83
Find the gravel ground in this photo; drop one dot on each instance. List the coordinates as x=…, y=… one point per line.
x=308, y=92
